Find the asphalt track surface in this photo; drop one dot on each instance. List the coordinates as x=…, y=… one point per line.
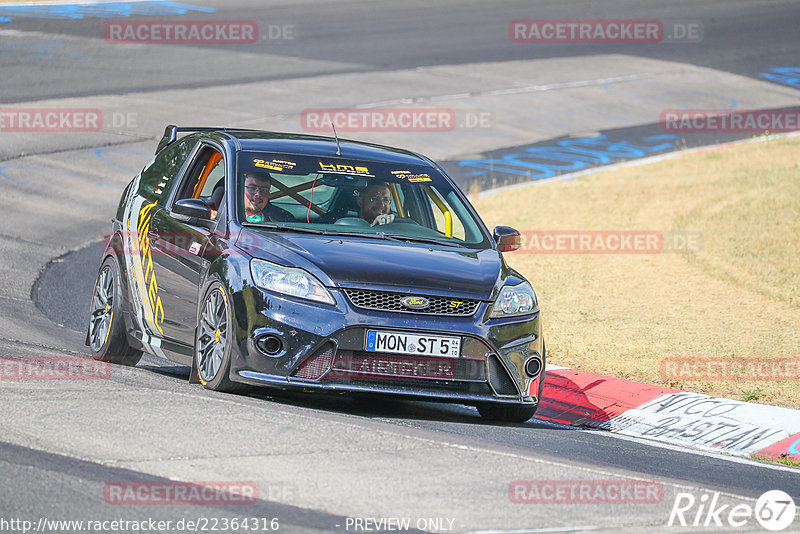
x=745, y=37
x=317, y=461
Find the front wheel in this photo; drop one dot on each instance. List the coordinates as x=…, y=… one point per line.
x=514, y=413
x=107, y=339
x=213, y=341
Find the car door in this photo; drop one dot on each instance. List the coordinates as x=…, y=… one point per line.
x=179, y=247
x=156, y=183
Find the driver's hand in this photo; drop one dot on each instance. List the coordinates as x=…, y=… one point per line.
x=383, y=219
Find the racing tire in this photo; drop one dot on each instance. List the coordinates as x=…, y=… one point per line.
x=106, y=335
x=514, y=413
x=213, y=342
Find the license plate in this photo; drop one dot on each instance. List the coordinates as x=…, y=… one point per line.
x=421, y=345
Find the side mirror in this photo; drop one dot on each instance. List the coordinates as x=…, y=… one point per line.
x=507, y=239
x=192, y=211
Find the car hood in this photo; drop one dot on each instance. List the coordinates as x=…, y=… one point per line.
x=382, y=264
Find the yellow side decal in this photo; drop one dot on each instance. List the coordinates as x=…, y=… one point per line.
x=155, y=313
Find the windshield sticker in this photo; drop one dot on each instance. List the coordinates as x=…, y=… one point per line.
x=411, y=177
x=255, y=218
x=274, y=165
x=340, y=168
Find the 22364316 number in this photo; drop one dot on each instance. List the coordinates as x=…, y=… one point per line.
x=231, y=524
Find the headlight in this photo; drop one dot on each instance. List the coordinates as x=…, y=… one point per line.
x=289, y=281
x=515, y=300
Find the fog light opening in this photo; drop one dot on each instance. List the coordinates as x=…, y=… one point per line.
x=269, y=345
x=533, y=366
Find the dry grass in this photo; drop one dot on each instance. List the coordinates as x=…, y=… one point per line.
x=738, y=297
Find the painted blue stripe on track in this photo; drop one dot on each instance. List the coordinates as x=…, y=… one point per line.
x=545, y=161
x=785, y=75
x=77, y=11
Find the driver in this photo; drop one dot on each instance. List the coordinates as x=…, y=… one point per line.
x=256, y=200
x=374, y=204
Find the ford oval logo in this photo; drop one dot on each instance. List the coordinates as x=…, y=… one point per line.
x=415, y=303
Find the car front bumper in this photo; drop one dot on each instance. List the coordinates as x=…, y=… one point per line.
x=322, y=347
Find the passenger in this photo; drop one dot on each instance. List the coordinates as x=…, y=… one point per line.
x=374, y=204
x=256, y=200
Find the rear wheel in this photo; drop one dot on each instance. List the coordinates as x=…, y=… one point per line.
x=107, y=338
x=213, y=341
x=514, y=413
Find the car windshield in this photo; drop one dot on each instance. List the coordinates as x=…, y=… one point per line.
x=339, y=196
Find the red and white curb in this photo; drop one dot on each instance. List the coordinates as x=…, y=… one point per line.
x=668, y=415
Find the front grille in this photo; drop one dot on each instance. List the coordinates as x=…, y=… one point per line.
x=409, y=373
x=387, y=301
x=381, y=366
x=317, y=364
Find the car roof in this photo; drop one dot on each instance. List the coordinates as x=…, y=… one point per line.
x=314, y=145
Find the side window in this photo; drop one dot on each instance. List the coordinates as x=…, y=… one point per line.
x=158, y=178
x=205, y=178
x=216, y=179
x=211, y=185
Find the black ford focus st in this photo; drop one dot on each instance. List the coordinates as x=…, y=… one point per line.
x=302, y=262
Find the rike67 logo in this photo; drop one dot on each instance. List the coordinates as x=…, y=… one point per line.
x=774, y=510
